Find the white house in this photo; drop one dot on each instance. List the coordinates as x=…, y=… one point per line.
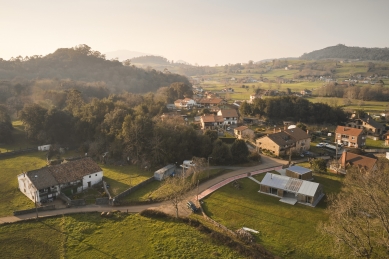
x=230, y=116
x=186, y=103
x=46, y=183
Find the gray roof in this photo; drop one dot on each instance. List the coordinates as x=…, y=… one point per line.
x=298, y=169
x=164, y=169
x=290, y=184
x=41, y=178
x=70, y=171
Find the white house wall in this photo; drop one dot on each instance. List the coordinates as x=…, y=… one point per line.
x=93, y=178
x=26, y=187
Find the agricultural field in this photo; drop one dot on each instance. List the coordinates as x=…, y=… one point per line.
x=91, y=236
x=285, y=230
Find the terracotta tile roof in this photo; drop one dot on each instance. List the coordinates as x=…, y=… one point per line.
x=352, y=159
x=297, y=134
x=69, y=171
x=210, y=101
x=281, y=138
x=348, y=131
x=74, y=170
x=41, y=178
x=228, y=113
x=241, y=128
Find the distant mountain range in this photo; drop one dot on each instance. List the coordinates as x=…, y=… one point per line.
x=124, y=54
x=341, y=51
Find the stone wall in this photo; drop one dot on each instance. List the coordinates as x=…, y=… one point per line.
x=43, y=208
x=102, y=201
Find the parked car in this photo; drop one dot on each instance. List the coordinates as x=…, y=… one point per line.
x=191, y=206
x=228, y=128
x=321, y=144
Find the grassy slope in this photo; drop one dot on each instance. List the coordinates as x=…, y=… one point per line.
x=123, y=236
x=11, y=198
x=288, y=231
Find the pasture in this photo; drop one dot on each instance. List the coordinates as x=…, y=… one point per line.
x=122, y=236
x=285, y=230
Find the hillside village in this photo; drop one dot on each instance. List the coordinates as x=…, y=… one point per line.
x=197, y=153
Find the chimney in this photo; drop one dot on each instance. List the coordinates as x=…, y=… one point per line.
x=285, y=128
x=307, y=132
x=274, y=131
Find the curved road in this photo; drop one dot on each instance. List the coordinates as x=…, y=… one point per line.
x=267, y=162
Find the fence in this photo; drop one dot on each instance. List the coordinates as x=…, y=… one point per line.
x=134, y=188
x=17, y=152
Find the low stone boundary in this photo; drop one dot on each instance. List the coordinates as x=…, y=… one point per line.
x=79, y=202
x=43, y=208
x=102, y=201
x=134, y=188
x=65, y=198
x=222, y=227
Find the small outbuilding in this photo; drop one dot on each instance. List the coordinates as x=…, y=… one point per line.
x=299, y=172
x=44, y=147
x=304, y=192
x=164, y=172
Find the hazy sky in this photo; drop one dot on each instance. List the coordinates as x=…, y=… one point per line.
x=206, y=32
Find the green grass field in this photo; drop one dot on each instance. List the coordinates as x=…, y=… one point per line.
x=11, y=198
x=122, y=236
x=20, y=141
x=287, y=231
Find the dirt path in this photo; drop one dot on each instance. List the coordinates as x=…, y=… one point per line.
x=267, y=162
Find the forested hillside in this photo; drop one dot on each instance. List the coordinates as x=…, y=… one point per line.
x=81, y=63
x=341, y=51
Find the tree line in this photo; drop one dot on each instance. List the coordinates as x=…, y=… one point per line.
x=365, y=93
x=131, y=127
x=293, y=108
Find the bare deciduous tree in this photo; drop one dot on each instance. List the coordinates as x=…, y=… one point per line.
x=359, y=214
x=175, y=189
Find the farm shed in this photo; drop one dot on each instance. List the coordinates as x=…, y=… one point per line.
x=44, y=147
x=164, y=172
x=299, y=172
x=304, y=192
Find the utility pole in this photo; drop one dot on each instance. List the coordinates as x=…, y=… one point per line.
x=36, y=205
x=208, y=165
x=198, y=190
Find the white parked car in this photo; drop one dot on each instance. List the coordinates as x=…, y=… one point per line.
x=228, y=128
x=321, y=144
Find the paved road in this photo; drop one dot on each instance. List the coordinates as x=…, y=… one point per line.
x=267, y=162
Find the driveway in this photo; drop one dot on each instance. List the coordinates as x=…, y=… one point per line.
x=267, y=162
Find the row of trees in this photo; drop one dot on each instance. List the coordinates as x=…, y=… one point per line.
x=365, y=93
x=295, y=108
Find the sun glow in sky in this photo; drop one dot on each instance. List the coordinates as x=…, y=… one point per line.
x=206, y=32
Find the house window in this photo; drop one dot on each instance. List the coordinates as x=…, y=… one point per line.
x=90, y=176
x=24, y=190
